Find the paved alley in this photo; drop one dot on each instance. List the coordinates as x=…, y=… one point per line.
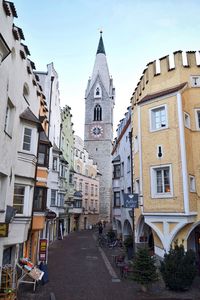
x=79, y=270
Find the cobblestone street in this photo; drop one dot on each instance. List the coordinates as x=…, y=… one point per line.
x=79, y=270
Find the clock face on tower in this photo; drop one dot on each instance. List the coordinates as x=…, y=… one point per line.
x=97, y=131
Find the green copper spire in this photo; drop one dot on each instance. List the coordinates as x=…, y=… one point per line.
x=100, y=48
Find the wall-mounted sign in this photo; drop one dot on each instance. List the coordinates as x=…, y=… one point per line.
x=130, y=200
x=51, y=215
x=43, y=250
x=3, y=229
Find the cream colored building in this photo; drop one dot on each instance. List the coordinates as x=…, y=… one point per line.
x=166, y=145
x=85, y=210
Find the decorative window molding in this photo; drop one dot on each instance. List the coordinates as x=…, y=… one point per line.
x=158, y=118
x=161, y=181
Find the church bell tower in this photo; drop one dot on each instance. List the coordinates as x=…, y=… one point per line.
x=98, y=130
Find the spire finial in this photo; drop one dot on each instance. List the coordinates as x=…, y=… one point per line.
x=100, y=48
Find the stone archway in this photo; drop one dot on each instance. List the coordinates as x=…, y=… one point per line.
x=127, y=229
x=193, y=241
x=144, y=235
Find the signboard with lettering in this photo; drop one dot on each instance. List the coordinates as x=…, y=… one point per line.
x=43, y=250
x=130, y=200
x=3, y=229
x=51, y=215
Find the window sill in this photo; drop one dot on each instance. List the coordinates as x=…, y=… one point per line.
x=164, y=196
x=159, y=129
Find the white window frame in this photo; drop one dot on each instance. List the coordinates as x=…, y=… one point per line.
x=154, y=193
x=26, y=199
x=192, y=183
x=151, y=112
x=197, y=111
x=187, y=120
x=55, y=202
x=33, y=142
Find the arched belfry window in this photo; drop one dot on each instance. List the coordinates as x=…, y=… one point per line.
x=97, y=91
x=97, y=113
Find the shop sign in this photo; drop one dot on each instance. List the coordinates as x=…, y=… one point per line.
x=130, y=200
x=51, y=215
x=3, y=229
x=43, y=250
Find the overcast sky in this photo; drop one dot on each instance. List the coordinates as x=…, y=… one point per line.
x=135, y=32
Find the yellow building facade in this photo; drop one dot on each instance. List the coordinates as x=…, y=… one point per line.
x=166, y=153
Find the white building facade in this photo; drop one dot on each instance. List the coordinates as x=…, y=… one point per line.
x=19, y=125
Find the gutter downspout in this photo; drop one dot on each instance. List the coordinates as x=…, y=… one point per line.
x=183, y=154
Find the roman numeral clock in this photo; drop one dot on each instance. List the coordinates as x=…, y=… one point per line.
x=97, y=131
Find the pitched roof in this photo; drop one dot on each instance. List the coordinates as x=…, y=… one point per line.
x=28, y=115
x=44, y=139
x=163, y=93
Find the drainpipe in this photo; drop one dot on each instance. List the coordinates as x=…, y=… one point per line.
x=133, y=211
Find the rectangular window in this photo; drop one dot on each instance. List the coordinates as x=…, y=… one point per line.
x=86, y=188
x=9, y=118
x=192, y=184
x=62, y=199
x=117, y=171
x=53, y=197
x=198, y=119
x=27, y=139
x=122, y=169
x=158, y=118
x=96, y=191
x=40, y=199
x=161, y=181
x=43, y=155
x=128, y=164
x=92, y=190
x=117, y=199
x=19, y=195
x=71, y=178
x=55, y=163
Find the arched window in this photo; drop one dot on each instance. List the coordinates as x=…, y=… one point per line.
x=97, y=91
x=97, y=113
